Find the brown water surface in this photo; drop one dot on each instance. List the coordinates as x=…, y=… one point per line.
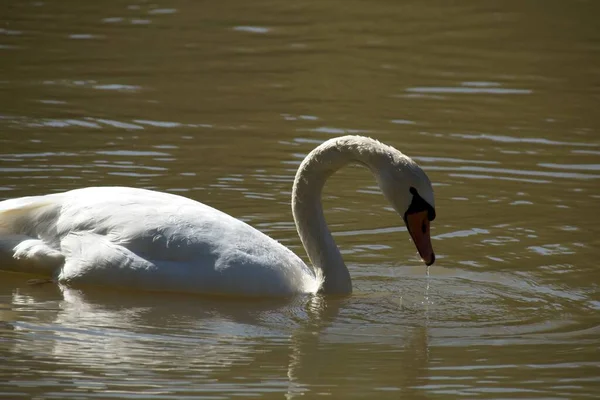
x=220, y=101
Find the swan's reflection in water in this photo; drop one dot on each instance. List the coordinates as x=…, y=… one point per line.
x=93, y=341
x=57, y=342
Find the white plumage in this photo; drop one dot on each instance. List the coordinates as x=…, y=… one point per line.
x=136, y=238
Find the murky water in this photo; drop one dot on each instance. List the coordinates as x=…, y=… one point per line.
x=219, y=101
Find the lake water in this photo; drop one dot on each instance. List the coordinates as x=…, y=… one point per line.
x=220, y=101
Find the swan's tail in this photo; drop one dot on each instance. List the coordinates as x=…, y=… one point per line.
x=25, y=224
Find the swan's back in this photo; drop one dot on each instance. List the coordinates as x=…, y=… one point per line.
x=144, y=239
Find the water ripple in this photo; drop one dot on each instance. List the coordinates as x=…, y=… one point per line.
x=512, y=139
x=502, y=178
x=563, y=175
x=453, y=160
x=130, y=153
x=467, y=90
x=582, y=167
x=252, y=29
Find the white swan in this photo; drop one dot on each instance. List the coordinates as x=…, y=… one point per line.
x=138, y=238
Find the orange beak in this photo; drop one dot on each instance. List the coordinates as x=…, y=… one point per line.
x=418, y=227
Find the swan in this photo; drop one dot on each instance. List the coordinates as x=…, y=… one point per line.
x=143, y=239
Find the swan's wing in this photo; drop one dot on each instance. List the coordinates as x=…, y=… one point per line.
x=155, y=226
x=95, y=260
x=92, y=258
x=22, y=253
x=25, y=245
x=27, y=214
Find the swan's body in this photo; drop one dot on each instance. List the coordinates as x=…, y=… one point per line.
x=145, y=239
x=118, y=236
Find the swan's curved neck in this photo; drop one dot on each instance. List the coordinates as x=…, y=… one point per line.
x=312, y=228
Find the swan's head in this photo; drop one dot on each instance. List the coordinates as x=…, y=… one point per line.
x=409, y=190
